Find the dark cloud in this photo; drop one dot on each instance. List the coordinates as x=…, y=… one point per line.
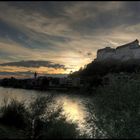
x=36, y=64
x=16, y=73
x=80, y=52
x=49, y=8
x=126, y=14
x=89, y=53
x=10, y=32
x=105, y=18
x=26, y=40
x=58, y=30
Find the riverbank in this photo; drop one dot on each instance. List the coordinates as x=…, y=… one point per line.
x=72, y=92
x=19, y=121
x=42, y=84
x=113, y=108
x=53, y=89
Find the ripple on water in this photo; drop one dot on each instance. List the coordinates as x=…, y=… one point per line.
x=73, y=106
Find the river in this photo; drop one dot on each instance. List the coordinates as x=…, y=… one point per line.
x=73, y=105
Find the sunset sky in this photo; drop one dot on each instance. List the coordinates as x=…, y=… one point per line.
x=59, y=37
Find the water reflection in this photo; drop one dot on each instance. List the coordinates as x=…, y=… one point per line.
x=74, y=110
x=73, y=106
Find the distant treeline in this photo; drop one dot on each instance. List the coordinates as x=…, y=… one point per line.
x=41, y=84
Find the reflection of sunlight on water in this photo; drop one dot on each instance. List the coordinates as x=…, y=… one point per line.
x=16, y=94
x=74, y=111
x=73, y=107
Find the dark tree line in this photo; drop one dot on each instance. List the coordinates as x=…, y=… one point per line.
x=94, y=72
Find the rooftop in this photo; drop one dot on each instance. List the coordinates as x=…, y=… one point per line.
x=135, y=42
x=109, y=49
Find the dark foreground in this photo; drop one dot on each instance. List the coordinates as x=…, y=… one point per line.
x=42, y=84
x=113, y=112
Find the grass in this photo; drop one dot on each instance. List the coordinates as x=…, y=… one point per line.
x=114, y=112
x=14, y=114
x=36, y=121
x=115, y=108
x=8, y=132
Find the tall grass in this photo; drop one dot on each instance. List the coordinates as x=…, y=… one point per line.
x=115, y=109
x=38, y=120
x=14, y=114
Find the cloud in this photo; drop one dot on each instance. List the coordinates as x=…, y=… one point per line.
x=89, y=53
x=68, y=19
x=34, y=64
x=17, y=73
x=56, y=31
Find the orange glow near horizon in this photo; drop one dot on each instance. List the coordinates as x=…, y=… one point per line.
x=22, y=70
x=26, y=72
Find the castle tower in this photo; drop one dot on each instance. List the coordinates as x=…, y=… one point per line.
x=35, y=75
x=136, y=41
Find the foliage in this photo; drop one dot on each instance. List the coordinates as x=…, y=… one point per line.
x=115, y=108
x=38, y=120
x=94, y=72
x=59, y=129
x=102, y=68
x=14, y=114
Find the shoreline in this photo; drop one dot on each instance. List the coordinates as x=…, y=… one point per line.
x=69, y=91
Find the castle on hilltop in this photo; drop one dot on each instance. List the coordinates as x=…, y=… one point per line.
x=123, y=53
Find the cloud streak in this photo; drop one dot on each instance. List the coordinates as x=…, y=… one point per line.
x=34, y=64
x=64, y=33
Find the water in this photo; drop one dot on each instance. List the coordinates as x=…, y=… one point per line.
x=73, y=105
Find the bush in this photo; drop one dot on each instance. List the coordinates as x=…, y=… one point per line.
x=37, y=121
x=59, y=129
x=115, y=109
x=14, y=114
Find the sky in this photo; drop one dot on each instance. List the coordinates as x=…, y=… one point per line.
x=60, y=37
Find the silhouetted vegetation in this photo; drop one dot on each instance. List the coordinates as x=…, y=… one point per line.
x=14, y=114
x=102, y=68
x=38, y=120
x=93, y=73
x=40, y=83
x=115, y=108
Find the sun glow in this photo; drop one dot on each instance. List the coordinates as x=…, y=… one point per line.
x=73, y=109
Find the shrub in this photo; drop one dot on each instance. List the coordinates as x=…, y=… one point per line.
x=37, y=121
x=115, y=109
x=61, y=129
x=14, y=114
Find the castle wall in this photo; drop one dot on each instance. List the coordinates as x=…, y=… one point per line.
x=136, y=53
x=123, y=53
x=105, y=53
x=109, y=55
